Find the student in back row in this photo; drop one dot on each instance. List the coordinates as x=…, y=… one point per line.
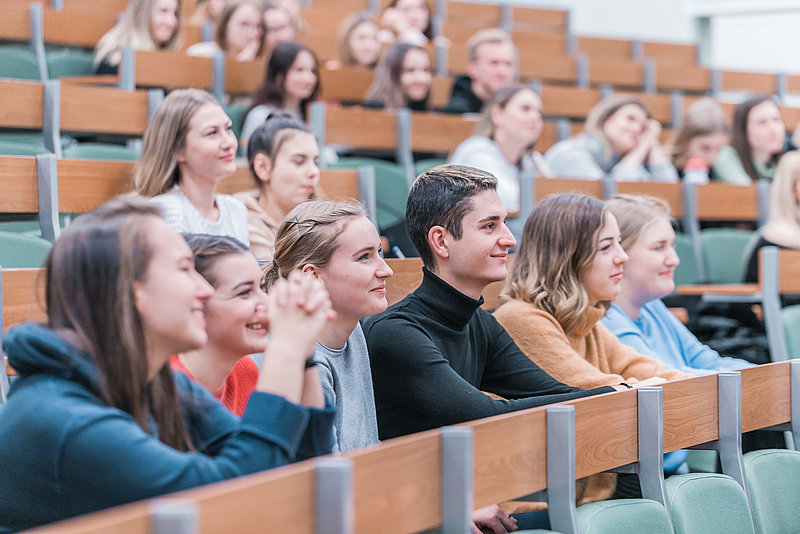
x=491, y=65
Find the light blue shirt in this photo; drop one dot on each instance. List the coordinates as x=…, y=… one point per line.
x=659, y=334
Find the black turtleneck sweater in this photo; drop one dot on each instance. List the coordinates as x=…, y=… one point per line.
x=434, y=352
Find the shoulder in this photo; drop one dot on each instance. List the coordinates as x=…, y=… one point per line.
x=466, y=151
x=781, y=233
x=204, y=49
x=516, y=312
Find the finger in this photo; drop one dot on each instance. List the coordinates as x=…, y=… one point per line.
x=475, y=529
x=509, y=522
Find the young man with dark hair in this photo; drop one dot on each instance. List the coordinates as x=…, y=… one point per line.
x=435, y=352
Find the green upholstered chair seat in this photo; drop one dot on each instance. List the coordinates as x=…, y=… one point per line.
x=773, y=478
x=623, y=516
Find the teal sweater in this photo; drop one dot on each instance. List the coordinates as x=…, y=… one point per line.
x=64, y=452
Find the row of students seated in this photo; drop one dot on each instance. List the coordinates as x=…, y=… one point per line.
x=96, y=400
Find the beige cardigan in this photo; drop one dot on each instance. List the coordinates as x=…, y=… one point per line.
x=589, y=358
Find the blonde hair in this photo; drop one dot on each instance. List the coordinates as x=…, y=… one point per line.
x=704, y=117
x=488, y=35
x=635, y=214
x=308, y=235
x=783, y=201
x=558, y=243
x=603, y=111
x=133, y=29
x=350, y=23
x=165, y=138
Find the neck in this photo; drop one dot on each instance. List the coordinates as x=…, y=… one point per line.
x=201, y=194
x=291, y=103
x=470, y=287
x=481, y=91
x=270, y=205
x=509, y=145
x=337, y=332
x=209, y=368
x=762, y=156
x=630, y=303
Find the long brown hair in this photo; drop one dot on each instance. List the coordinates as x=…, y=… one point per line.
x=739, y=140
x=221, y=27
x=558, y=243
x=704, y=117
x=386, y=85
x=90, y=274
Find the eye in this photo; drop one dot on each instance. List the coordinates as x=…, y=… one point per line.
x=364, y=257
x=245, y=293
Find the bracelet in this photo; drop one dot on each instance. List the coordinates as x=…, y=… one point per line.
x=626, y=385
x=311, y=363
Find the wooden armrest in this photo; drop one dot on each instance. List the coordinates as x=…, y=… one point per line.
x=682, y=314
x=719, y=289
x=97, y=79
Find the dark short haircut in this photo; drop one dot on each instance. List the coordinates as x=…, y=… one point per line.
x=208, y=249
x=441, y=197
x=269, y=137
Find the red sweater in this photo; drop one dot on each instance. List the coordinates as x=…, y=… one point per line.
x=238, y=387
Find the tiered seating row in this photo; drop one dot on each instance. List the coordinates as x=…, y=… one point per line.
x=406, y=484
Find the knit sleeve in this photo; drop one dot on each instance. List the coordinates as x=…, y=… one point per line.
x=543, y=340
x=627, y=362
x=414, y=375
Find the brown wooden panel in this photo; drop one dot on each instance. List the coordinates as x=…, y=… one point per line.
x=21, y=105
x=172, y=70
x=402, y=474
x=540, y=43
x=439, y=132
x=129, y=519
x=548, y=68
x=406, y=278
x=191, y=35
x=278, y=500
x=60, y=26
x=325, y=47
x=572, y=102
x=85, y=184
x=548, y=137
x=111, y=6
x=793, y=83
x=598, y=47
x=791, y=117
x=548, y=186
x=540, y=19
x=680, y=77
x=473, y=15
x=670, y=52
x=509, y=455
x=18, y=183
x=339, y=184
x=344, y=85
x=754, y=82
x=323, y=19
x=614, y=71
x=243, y=77
x=361, y=128
x=241, y=180
x=441, y=88
x=726, y=202
x=23, y=296
x=690, y=412
x=616, y=444
x=672, y=193
x=789, y=271
x=15, y=23
x=719, y=289
x=766, y=396
x=103, y=110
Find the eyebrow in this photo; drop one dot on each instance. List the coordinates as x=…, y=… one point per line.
x=363, y=250
x=245, y=283
x=489, y=218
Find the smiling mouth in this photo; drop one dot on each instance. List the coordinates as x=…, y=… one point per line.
x=256, y=326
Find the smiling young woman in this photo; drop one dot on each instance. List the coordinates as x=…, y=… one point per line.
x=335, y=242
x=95, y=394
x=283, y=156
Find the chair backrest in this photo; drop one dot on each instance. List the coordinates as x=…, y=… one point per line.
x=623, y=516
x=773, y=478
x=790, y=318
x=708, y=502
x=724, y=254
x=688, y=272
x=20, y=250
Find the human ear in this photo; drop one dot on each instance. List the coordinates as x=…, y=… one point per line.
x=437, y=240
x=262, y=166
x=311, y=269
